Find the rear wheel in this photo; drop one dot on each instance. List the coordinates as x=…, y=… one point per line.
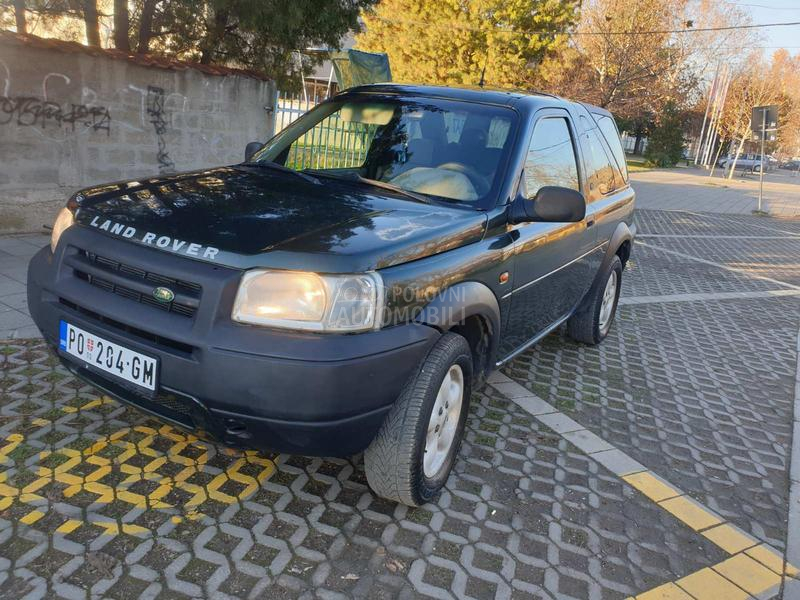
x=592, y=322
x=411, y=457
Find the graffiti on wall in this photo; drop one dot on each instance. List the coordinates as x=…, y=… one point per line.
x=157, y=114
x=28, y=111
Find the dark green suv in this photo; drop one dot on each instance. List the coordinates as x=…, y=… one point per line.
x=349, y=284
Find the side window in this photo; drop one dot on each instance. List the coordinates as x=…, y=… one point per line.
x=609, y=130
x=454, y=125
x=551, y=157
x=599, y=172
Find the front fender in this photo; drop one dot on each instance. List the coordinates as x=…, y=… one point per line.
x=458, y=302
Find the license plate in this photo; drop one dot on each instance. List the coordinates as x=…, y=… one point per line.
x=107, y=356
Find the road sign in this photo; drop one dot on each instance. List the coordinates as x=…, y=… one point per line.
x=770, y=137
x=764, y=118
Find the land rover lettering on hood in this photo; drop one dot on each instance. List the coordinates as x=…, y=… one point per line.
x=348, y=285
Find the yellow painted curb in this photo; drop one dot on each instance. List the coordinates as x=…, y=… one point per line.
x=652, y=486
x=668, y=591
x=748, y=574
x=729, y=538
x=693, y=514
x=707, y=584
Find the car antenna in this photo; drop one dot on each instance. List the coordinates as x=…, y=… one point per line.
x=483, y=72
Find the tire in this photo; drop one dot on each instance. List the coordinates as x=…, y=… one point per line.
x=395, y=460
x=586, y=325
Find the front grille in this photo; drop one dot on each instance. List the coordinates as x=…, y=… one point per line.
x=185, y=288
x=163, y=342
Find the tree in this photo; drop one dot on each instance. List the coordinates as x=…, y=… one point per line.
x=19, y=16
x=264, y=35
x=456, y=42
x=146, y=26
x=269, y=36
x=92, y=21
x=758, y=82
x=665, y=144
x=121, y=25
x=626, y=56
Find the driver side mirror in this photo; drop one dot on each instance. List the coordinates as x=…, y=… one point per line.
x=251, y=149
x=552, y=204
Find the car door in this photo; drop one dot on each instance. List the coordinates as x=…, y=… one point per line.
x=554, y=262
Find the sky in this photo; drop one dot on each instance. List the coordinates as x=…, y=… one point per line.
x=775, y=11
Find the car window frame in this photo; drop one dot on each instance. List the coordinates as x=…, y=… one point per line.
x=622, y=168
x=545, y=113
x=588, y=119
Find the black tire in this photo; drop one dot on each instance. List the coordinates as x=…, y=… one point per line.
x=584, y=325
x=394, y=459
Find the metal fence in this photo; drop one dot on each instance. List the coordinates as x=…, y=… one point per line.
x=291, y=107
x=629, y=143
x=331, y=144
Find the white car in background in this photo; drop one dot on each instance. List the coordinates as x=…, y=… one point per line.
x=749, y=162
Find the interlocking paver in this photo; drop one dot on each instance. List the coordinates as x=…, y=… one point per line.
x=96, y=499
x=699, y=392
x=692, y=189
x=124, y=505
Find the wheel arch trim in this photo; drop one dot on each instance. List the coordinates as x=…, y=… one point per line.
x=458, y=302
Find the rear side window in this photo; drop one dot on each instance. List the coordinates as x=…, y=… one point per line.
x=609, y=130
x=599, y=170
x=551, y=157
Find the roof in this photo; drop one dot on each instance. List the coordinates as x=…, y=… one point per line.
x=144, y=60
x=471, y=94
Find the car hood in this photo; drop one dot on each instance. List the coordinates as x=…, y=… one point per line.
x=244, y=216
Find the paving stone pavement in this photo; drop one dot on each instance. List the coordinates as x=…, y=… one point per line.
x=692, y=189
x=97, y=500
x=15, y=252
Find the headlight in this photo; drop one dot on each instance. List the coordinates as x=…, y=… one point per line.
x=299, y=300
x=64, y=219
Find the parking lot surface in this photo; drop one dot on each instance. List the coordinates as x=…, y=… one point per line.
x=656, y=463
x=694, y=189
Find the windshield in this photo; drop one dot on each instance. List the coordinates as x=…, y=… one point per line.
x=444, y=149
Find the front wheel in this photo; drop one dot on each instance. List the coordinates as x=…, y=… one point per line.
x=415, y=449
x=593, y=319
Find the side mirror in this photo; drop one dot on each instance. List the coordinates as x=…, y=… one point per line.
x=251, y=149
x=551, y=204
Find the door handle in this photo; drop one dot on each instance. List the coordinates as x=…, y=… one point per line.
x=590, y=222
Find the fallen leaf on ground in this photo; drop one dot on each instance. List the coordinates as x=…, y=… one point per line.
x=394, y=565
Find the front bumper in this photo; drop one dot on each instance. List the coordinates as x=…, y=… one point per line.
x=243, y=385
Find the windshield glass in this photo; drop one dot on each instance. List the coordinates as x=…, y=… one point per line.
x=444, y=149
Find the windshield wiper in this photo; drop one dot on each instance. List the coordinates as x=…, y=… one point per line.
x=268, y=164
x=350, y=176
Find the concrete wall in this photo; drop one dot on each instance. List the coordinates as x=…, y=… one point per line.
x=72, y=119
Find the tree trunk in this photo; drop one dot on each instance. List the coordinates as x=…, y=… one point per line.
x=716, y=157
x=146, y=26
x=637, y=145
x=736, y=158
x=121, y=25
x=92, y=22
x=19, y=15
x=213, y=37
